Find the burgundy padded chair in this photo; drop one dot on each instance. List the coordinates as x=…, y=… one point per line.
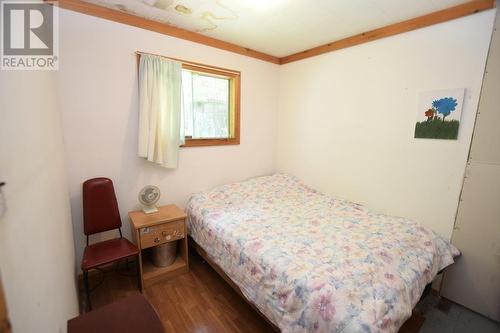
x=100, y=213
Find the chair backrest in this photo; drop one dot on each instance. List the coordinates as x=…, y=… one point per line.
x=100, y=208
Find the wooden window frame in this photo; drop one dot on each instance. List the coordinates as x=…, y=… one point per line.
x=234, y=106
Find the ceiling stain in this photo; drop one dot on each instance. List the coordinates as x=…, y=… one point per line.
x=163, y=4
x=209, y=17
x=122, y=7
x=204, y=14
x=183, y=9
x=129, y=9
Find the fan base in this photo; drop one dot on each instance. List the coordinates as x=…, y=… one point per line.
x=149, y=209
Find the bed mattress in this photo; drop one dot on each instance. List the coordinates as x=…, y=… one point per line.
x=313, y=263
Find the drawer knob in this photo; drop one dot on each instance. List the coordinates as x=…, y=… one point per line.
x=157, y=240
x=168, y=237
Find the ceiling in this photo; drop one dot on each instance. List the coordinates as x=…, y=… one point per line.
x=278, y=27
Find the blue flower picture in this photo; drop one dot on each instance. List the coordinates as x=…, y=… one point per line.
x=439, y=113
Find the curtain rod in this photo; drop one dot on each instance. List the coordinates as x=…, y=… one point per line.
x=139, y=53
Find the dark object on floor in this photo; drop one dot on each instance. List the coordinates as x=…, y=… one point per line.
x=131, y=314
x=100, y=213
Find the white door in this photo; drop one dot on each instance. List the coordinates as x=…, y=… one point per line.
x=474, y=280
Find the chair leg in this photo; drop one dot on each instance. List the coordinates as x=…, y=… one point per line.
x=139, y=282
x=87, y=290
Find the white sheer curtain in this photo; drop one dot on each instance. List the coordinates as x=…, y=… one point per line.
x=160, y=119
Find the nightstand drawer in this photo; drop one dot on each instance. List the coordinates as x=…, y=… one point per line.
x=162, y=233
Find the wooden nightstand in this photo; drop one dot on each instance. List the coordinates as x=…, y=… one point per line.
x=149, y=230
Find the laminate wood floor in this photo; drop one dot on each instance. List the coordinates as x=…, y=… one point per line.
x=199, y=301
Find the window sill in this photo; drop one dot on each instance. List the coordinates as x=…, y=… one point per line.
x=210, y=142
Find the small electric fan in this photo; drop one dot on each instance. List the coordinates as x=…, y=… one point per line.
x=148, y=197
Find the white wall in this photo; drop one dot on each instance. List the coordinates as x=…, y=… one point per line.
x=346, y=119
x=36, y=240
x=98, y=89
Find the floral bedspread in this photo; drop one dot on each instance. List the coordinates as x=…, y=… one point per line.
x=313, y=263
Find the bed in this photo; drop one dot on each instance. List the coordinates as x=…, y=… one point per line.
x=312, y=263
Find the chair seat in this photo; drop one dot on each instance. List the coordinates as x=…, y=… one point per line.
x=108, y=251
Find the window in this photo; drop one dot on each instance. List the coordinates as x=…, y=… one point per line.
x=210, y=106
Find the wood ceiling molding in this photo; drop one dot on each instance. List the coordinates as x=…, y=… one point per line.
x=441, y=16
x=444, y=15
